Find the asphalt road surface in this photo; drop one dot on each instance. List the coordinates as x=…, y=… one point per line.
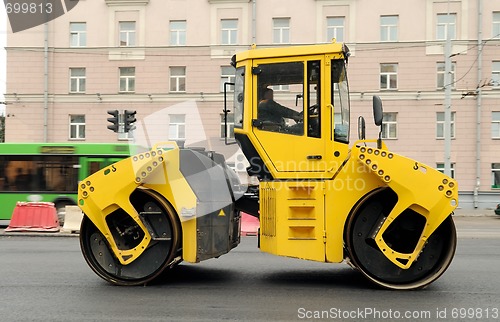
x=47, y=279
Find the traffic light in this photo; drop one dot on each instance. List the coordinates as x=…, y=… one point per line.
x=114, y=120
x=129, y=120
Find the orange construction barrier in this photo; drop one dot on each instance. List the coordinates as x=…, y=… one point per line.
x=34, y=216
x=249, y=225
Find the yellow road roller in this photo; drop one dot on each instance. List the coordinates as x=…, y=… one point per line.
x=317, y=195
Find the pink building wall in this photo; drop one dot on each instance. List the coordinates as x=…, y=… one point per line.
x=416, y=100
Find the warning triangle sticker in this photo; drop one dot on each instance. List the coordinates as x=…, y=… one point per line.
x=221, y=213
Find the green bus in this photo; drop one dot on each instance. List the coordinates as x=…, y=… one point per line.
x=50, y=172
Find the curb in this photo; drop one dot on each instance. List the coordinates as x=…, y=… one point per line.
x=3, y=233
x=459, y=214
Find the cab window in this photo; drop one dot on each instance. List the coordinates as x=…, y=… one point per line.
x=280, y=93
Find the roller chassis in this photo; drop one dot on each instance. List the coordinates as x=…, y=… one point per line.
x=163, y=226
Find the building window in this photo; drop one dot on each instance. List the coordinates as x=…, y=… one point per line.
x=389, y=76
x=281, y=88
x=229, y=31
x=281, y=30
x=440, y=125
x=178, y=79
x=127, y=79
x=495, y=74
x=77, y=80
x=335, y=29
x=446, y=25
x=177, y=127
x=496, y=25
x=178, y=33
x=77, y=34
x=495, y=125
x=495, y=175
x=127, y=33
x=440, y=168
x=230, y=126
x=77, y=127
x=389, y=126
x=389, y=28
x=440, y=75
x=226, y=76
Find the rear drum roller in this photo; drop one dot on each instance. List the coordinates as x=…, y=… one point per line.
x=160, y=253
x=402, y=235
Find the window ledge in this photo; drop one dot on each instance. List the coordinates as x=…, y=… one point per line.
x=226, y=1
x=126, y=2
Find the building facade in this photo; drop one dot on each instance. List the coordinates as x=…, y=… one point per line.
x=168, y=60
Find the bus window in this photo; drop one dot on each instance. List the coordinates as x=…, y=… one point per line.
x=38, y=173
x=94, y=166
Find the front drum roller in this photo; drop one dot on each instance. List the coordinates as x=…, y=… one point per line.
x=159, y=216
x=403, y=234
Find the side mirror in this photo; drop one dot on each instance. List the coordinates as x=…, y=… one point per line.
x=361, y=128
x=378, y=112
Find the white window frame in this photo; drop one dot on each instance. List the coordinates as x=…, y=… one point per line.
x=495, y=28
x=389, y=76
x=495, y=74
x=77, y=127
x=230, y=126
x=389, y=28
x=127, y=34
x=440, y=125
x=280, y=88
x=495, y=125
x=440, y=71
x=229, y=31
x=335, y=28
x=440, y=168
x=77, y=83
x=226, y=76
x=77, y=36
x=281, y=33
x=127, y=79
x=445, y=26
x=177, y=127
x=178, y=79
x=390, y=125
x=178, y=32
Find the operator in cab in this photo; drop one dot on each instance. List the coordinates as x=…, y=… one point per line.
x=273, y=115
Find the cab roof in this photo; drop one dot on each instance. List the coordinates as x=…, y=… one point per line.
x=290, y=51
